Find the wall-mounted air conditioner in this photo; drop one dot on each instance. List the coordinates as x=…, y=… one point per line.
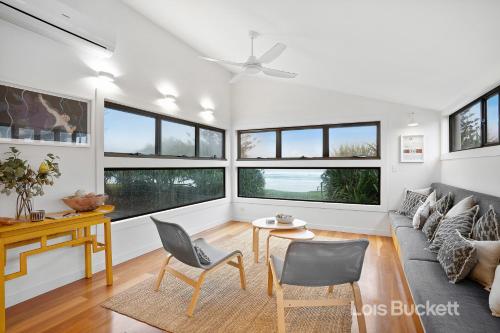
x=58, y=21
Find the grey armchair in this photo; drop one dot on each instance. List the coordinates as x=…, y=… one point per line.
x=178, y=244
x=315, y=264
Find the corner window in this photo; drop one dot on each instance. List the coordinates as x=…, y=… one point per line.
x=211, y=143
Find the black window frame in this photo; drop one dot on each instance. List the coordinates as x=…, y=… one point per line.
x=379, y=169
x=326, y=142
x=175, y=207
x=484, y=121
x=158, y=128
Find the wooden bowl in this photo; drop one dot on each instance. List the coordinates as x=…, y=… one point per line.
x=85, y=203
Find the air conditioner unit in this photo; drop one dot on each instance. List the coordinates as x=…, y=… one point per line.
x=60, y=22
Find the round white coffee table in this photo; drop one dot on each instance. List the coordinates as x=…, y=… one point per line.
x=262, y=224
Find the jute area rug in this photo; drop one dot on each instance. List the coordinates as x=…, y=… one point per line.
x=223, y=306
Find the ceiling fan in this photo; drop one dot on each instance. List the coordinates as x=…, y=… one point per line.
x=253, y=65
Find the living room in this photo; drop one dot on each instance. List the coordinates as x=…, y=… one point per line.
x=264, y=129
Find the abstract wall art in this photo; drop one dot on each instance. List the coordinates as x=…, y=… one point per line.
x=412, y=149
x=27, y=116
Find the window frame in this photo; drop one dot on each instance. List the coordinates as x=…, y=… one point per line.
x=175, y=207
x=158, y=128
x=484, y=121
x=326, y=142
x=238, y=190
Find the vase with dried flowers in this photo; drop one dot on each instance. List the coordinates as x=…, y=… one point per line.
x=17, y=175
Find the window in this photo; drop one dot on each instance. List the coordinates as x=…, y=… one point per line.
x=133, y=132
x=466, y=128
x=492, y=124
x=302, y=143
x=177, y=139
x=211, y=143
x=137, y=192
x=477, y=124
x=353, y=141
x=126, y=132
x=339, y=185
x=258, y=144
x=331, y=141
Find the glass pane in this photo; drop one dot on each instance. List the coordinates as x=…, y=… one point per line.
x=353, y=141
x=177, y=139
x=65, y=137
x=26, y=134
x=258, y=145
x=126, y=132
x=141, y=191
x=466, y=128
x=342, y=185
x=46, y=135
x=211, y=143
x=5, y=132
x=492, y=119
x=302, y=143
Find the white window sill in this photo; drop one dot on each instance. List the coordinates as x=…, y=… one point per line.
x=472, y=153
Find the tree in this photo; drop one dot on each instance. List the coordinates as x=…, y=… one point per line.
x=246, y=144
x=359, y=186
x=470, y=130
x=251, y=182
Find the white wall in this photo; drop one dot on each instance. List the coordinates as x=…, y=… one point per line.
x=147, y=61
x=258, y=103
x=475, y=169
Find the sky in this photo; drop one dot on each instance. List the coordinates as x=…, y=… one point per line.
x=309, y=142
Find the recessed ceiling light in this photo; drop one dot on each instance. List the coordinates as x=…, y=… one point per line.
x=106, y=76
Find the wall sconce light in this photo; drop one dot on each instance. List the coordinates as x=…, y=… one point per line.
x=208, y=112
x=411, y=120
x=170, y=99
x=106, y=76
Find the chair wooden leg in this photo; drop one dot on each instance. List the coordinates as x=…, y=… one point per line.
x=242, y=273
x=330, y=289
x=359, y=307
x=161, y=273
x=269, y=280
x=196, y=294
x=280, y=309
x=267, y=249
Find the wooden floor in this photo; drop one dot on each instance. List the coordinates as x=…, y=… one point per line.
x=75, y=307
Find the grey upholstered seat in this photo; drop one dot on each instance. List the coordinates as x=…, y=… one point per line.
x=321, y=263
x=177, y=242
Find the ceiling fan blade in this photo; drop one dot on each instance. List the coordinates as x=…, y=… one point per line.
x=223, y=62
x=278, y=73
x=240, y=75
x=273, y=53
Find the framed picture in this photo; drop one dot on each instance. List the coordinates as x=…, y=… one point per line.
x=412, y=148
x=33, y=117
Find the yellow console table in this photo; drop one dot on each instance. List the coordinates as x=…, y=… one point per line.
x=77, y=227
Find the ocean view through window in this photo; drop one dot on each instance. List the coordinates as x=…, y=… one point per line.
x=339, y=185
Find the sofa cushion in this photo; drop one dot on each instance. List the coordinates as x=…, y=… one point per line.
x=487, y=228
x=398, y=220
x=457, y=256
x=410, y=200
x=428, y=282
x=432, y=224
x=412, y=244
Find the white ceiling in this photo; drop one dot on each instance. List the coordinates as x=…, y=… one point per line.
x=430, y=53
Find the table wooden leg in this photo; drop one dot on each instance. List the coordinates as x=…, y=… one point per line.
x=2, y=290
x=108, y=253
x=88, y=254
x=256, y=245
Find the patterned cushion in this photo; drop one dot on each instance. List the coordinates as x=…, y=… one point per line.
x=431, y=224
x=421, y=215
x=461, y=222
x=444, y=204
x=411, y=200
x=457, y=256
x=487, y=228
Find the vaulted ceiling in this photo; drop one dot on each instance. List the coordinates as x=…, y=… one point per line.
x=430, y=53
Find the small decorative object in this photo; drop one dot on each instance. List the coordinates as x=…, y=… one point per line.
x=284, y=218
x=31, y=116
x=412, y=148
x=270, y=221
x=37, y=215
x=82, y=202
x=16, y=174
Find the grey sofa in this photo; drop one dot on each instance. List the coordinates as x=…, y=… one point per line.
x=428, y=282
